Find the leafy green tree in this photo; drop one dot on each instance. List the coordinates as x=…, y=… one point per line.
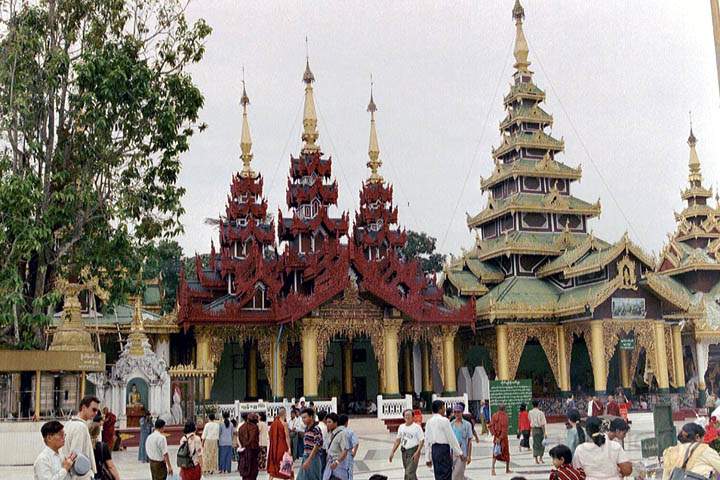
x=96, y=105
x=420, y=245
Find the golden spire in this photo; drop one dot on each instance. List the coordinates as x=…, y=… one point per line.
x=310, y=133
x=245, y=140
x=137, y=338
x=695, y=177
x=373, y=148
x=521, y=47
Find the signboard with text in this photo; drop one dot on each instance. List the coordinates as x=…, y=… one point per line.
x=510, y=393
x=627, y=343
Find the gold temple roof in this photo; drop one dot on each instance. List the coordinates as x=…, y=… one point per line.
x=528, y=243
x=519, y=114
x=524, y=91
x=590, y=257
x=523, y=167
x=551, y=202
x=537, y=139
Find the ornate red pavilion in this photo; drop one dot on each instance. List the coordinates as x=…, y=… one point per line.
x=326, y=284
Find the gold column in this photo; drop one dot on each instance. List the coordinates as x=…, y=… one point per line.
x=203, y=362
x=503, y=367
x=563, y=370
x=407, y=369
x=450, y=386
x=82, y=385
x=426, y=378
x=661, y=360
x=598, y=356
x=679, y=361
x=310, y=359
x=625, y=375
x=38, y=382
x=392, y=383
x=347, y=368
x=252, y=371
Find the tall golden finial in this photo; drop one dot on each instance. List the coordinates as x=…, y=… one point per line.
x=522, y=50
x=310, y=133
x=695, y=177
x=245, y=140
x=373, y=148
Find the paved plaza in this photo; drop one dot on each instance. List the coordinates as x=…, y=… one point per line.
x=375, y=447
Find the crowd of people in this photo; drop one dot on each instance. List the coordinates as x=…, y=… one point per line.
x=318, y=446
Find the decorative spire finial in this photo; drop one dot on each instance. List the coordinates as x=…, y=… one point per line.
x=245, y=140
x=694, y=177
x=373, y=148
x=310, y=133
x=521, y=50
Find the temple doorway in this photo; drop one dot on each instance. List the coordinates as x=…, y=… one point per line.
x=582, y=379
x=534, y=365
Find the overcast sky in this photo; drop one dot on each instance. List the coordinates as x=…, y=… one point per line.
x=620, y=77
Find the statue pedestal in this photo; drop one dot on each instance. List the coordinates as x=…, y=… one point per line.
x=134, y=414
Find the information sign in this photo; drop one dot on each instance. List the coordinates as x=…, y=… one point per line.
x=510, y=393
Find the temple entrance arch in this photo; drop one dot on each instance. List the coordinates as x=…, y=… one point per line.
x=534, y=365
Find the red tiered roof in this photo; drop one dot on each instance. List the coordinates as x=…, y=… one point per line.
x=314, y=266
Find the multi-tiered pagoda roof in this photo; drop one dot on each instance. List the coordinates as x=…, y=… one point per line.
x=249, y=282
x=690, y=261
x=534, y=257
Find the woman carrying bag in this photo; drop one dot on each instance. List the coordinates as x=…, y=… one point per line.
x=690, y=459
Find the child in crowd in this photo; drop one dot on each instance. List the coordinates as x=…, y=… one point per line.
x=562, y=461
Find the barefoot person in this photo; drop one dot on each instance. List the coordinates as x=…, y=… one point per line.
x=538, y=424
x=501, y=446
x=441, y=443
x=410, y=439
x=279, y=445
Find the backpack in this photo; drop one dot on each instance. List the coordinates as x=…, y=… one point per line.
x=184, y=456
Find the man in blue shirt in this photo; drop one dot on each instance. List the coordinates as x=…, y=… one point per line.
x=354, y=444
x=463, y=432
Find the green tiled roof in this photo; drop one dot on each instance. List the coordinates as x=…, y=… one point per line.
x=538, y=139
x=533, y=202
x=466, y=282
x=122, y=314
x=484, y=270
x=550, y=243
x=526, y=167
x=524, y=90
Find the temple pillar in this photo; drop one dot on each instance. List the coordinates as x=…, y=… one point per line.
x=597, y=350
x=661, y=373
x=407, y=369
x=310, y=359
x=450, y=374
x=563, y=368
x=391, y=330
x=426, y=389
x=38, y=388
x=503, y=367
x=679, y=361
x=625, y=375
x=204, y=362
x=82, y=384
x=252, y=371
x=347, y=352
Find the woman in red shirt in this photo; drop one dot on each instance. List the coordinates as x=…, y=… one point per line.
x=524, y=427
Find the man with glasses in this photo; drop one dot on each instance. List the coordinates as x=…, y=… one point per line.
x=77, y=434
x=50, y=465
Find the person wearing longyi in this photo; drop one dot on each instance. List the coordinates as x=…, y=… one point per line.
x=441, y=443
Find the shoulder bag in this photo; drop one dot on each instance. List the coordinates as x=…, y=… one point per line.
x=680, y=473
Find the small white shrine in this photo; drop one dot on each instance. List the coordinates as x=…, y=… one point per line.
x=139, y=382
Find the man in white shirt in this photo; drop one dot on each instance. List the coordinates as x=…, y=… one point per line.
x=298, y=427
x=77, y=435
x=440, y=443
x=410, y=439
x=157, y=452
x=49, y=465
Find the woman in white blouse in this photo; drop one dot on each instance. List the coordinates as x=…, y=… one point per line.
x=600, y=458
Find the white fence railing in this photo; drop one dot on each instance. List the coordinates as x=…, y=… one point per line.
x=392, y=408
x=271, y=408
x=451, y=401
